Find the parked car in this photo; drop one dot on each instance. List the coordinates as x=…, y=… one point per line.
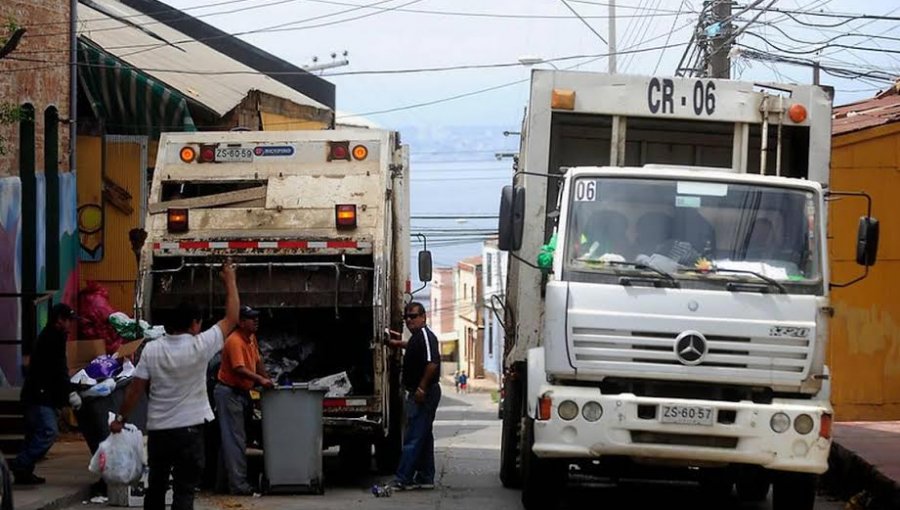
x=6, y=481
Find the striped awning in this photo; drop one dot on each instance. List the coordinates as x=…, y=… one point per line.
x=128, y=100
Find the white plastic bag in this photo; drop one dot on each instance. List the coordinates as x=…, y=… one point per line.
x=120, y=457
x=101, y=389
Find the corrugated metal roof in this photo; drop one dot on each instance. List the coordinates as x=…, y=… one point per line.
x=162, y=52
x=880, y=110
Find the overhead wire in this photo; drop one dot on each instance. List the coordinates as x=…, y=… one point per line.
x=585, y=22
x=668, y=37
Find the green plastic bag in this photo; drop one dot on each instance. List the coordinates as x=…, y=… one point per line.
x=545, y=257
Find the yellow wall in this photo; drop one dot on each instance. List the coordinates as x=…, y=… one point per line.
x=864, y=353
x=117, y=269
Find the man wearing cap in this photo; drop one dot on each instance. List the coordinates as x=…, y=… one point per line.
x=241, y=370
x=46, y=390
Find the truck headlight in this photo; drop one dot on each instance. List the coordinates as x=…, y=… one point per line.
x=568, y=410
x=804, y=424
x=780, y=422
x=592, y=411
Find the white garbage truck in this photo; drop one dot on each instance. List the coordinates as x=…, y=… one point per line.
x=318, y=224
x=667, y=303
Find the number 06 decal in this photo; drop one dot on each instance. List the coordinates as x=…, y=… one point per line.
x=585, y=191
x=704, y=98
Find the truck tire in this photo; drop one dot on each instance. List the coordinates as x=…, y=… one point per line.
x=753, y=484
x=794, y=491
x=542, y=479
x=510, y=454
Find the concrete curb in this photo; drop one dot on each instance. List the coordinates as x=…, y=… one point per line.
x=63, y=501
x=851, y=478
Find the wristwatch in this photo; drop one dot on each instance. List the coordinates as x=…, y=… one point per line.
x=119, y=418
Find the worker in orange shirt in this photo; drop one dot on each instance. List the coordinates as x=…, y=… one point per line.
x=241, y=370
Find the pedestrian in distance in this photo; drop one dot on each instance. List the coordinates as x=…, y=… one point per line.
x=421, y=373
x=241, y=370
x=174, y=368
x=46, y=390
x=464, y=382
x=456, y=379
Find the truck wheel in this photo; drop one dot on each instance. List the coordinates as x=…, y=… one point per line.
x=753, y=484
x=794, y=491
x=542, y=479
x=510, y=455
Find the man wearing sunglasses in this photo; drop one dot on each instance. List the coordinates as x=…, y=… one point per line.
x=421, y=373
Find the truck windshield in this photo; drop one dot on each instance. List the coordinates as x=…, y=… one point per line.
x=704, y=231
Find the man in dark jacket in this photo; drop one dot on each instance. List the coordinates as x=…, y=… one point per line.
x=46, y=390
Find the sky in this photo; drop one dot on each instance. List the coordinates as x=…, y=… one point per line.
x=420, y=34
x=453, y=142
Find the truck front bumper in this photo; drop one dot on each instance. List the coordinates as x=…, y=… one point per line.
x=740, y=432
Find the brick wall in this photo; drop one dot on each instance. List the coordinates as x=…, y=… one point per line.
x=44, y=83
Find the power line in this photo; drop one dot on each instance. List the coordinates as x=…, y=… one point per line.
x=852, y=17
x=818, y=49
x=671, y=30
x=129, y=16
x=566, y=3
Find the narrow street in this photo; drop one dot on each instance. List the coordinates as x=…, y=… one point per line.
x=468, y=457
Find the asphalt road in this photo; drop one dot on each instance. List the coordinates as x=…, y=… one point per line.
x=468, y=461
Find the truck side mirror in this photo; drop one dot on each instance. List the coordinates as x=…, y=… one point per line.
x=867, y=241
x=512, y=218
x=424, y=266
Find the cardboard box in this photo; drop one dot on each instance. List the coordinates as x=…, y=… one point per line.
x=81, y=352
x=132, y=495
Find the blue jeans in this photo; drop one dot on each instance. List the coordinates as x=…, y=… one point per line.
x=417, y=457
x=41, y=430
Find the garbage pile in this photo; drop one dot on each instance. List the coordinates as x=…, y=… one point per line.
x=287, y=358
x=99, y=378
x=98, y=319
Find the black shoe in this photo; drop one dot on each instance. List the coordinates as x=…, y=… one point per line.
x=28, y=478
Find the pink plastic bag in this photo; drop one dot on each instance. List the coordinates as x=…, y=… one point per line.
x=94, y=311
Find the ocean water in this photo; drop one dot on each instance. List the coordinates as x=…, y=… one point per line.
x=455, y=175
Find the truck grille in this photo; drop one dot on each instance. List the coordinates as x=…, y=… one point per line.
x=758, y=356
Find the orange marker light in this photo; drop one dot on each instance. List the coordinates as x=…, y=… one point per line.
x=360, y=152
x=562, y=99
x=187, y=154
x=345, y=215
x=797, y=113
x=544, y=407
x=177, y=220
x=825, y=428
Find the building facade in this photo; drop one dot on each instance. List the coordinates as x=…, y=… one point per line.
x=38, y=238
x=494, y=276
x=442, y=318
x=470, y=316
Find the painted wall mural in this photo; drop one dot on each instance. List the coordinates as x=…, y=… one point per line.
x=10, y=264
x=11, y=260
x=90, y=230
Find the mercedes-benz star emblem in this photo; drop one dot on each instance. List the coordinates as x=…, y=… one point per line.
x=690, y=347
x=693, y=305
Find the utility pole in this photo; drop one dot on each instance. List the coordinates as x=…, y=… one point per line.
x=612, y=36
x=720, y=38
x=816, y=69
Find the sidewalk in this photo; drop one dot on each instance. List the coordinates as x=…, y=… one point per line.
x=865, y=464
x=484, y=385
x=68, y=479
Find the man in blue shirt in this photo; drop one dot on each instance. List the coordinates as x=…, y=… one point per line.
x=421, y=373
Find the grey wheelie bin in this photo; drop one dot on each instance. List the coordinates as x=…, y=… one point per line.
x=292, y=439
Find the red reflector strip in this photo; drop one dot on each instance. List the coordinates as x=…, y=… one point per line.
x=334, y=402
x=253, y=245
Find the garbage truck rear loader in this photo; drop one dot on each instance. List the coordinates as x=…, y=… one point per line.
x=318, y=223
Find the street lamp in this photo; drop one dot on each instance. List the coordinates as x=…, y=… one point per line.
x=529, y=61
